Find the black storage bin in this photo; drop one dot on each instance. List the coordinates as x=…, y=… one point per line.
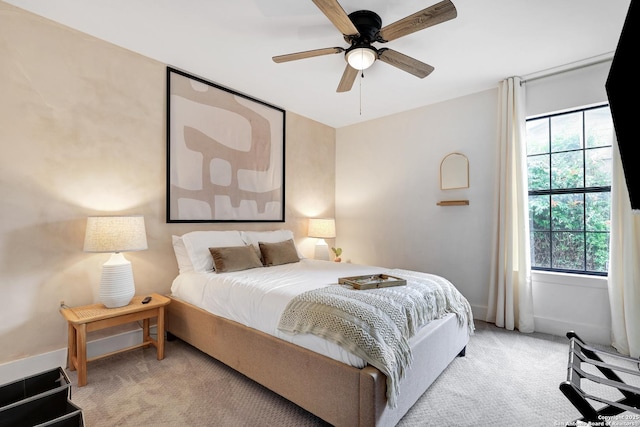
x=72, y=419
x=39, y=400
x=43, y=409
x=53, y=381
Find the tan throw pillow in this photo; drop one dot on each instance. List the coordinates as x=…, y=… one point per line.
x=278, y=253
x=234, y=258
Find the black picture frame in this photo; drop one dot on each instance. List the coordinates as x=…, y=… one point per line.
x=225, y=154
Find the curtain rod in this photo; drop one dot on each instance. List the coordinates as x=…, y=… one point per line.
x=595, y=60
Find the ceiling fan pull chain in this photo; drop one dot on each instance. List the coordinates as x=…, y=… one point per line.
x=361, y=77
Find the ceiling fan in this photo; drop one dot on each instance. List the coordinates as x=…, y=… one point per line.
x=362, y=28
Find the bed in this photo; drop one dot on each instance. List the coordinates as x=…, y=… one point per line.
x=235, y=296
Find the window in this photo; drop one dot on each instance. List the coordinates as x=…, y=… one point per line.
x=569, y=171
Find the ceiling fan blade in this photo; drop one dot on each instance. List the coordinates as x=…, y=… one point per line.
x=307, y=54
x=348, y=77
x=404, y=62
x=436, y=14
x=337, y=16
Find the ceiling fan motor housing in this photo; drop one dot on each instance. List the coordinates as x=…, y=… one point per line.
x=368, y=24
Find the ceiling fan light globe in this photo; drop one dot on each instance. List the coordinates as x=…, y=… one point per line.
x=361, y=58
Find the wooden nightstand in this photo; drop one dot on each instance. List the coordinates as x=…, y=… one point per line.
x=94, y=317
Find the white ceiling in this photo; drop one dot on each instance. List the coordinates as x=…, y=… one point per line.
x=231, y=42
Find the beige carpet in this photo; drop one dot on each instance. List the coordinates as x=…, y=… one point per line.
x=506, y=379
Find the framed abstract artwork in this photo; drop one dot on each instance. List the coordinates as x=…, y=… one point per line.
x=225, y=154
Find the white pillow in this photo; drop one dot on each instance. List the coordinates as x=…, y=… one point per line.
x=275, y=236
x=184, y=263
x=197, y=244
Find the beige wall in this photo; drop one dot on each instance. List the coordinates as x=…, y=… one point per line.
x=82, y=128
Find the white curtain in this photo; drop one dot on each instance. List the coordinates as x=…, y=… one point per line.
x=510, y=297
x=624, y=266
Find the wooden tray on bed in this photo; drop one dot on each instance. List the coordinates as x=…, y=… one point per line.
x=372, y=281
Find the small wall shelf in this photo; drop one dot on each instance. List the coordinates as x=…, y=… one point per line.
x=453, y=203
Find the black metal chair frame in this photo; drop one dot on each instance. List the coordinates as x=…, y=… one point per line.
x=580, y=353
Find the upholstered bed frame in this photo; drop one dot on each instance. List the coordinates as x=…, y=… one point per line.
x=338, y=393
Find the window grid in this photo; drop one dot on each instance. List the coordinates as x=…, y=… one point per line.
x=554, y=231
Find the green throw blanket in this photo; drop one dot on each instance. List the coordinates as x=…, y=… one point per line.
x=376, y=324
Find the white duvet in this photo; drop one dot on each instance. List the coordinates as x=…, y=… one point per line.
x=257, y=297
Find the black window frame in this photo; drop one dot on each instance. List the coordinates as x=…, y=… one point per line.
x=550, y=192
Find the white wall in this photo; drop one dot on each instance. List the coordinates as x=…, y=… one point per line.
x=566, y=90
x=387, y=186
x=565, y=302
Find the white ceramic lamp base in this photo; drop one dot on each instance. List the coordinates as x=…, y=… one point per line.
x=322, y=250
x=116, y=285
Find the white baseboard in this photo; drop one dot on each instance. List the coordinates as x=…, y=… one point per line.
x=594, y=334
x=590, y=333
x=28, y=366
x=479, y=312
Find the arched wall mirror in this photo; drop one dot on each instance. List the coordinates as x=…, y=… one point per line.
x=454, y=172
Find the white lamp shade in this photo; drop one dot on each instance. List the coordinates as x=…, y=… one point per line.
x=322, y=228
x=361, y=58
x=116, y=234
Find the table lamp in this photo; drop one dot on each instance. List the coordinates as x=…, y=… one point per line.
x=322, y=228
x=116, y=234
